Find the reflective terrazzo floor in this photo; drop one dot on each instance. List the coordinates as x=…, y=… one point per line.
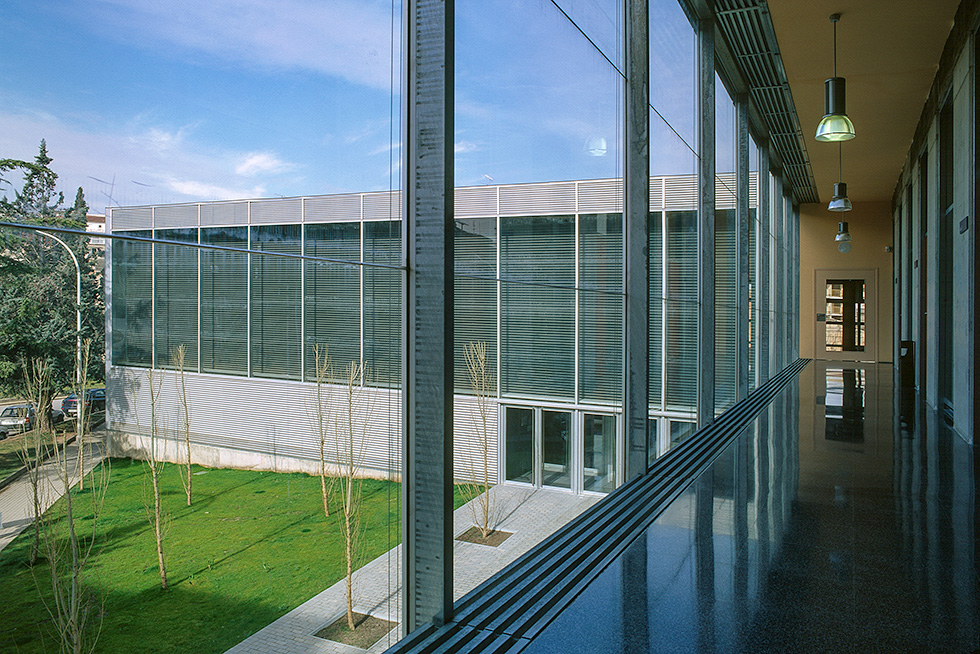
x=840, y=520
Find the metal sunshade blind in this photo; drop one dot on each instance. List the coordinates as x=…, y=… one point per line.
x=537, y=323
x=224, y=302
x=132, y=301
x=175, y=297
x=382, y=302
x=682, y=310
x=657, y=297
x=332, y=296
x=475, y=291
x=600, y=308
x=275, y=295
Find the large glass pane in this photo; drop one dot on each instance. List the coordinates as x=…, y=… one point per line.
x=657, y=307
x=175, y=298
x=332, y=296
x=680, y=431
x=276, y=310
x=132, y=301
x=556, y=449
x=475, y=303
x=682, y=310
x=519, y=444
x=599, y=452
x=600, y=308
x=753, y=299
x=382, y=303
x=537, y=322
x=224, y=302
x=726, y=250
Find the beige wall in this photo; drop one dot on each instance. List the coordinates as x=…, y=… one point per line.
x=870, y=225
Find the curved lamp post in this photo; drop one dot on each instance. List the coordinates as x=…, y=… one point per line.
x=78, y=310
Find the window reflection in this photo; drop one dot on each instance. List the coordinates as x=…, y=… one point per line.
x=846, y=315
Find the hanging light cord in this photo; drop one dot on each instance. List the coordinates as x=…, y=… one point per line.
x=840, y=161
x=834, y=21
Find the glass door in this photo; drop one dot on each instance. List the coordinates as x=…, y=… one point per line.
x=538, y=446
x=556, y=449
x=599, y=452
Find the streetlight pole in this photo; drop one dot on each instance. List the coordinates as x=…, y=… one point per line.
x=78, y=312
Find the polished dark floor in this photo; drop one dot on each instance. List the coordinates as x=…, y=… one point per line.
x=840, y=520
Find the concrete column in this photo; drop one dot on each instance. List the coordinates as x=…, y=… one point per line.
x=427, y=348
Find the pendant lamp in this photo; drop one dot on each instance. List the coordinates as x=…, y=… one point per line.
x=835, y=125
x=839, y=202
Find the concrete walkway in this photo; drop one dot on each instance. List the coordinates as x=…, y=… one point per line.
x=16, y=500
x=531, y=515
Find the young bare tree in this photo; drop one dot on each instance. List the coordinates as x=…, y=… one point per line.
x=321, y=418
x=350, y=442
x=75, y=610
x=37, y=378
x=478, y=488
x=184, y=421
x=82, y=420
x=154, y=465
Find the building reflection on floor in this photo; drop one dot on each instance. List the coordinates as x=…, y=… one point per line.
x=828, y=525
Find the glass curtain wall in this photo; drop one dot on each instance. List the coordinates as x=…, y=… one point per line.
x=726, y=249
x=753, y=265
x=673, y=226
x=539, y=269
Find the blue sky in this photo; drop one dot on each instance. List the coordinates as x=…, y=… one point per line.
x=144, y=101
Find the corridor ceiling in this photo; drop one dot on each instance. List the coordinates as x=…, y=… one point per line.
x=889, y=51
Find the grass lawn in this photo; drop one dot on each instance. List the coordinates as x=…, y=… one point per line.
x=253, y=546
x=11, y=457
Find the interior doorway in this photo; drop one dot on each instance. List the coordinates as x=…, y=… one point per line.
x=845, y=325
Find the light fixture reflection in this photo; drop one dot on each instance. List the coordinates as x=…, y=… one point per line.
x=843, y=238
x=595, y=146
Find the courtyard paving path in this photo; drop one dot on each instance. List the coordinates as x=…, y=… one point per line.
x=531, y=515
x=16, y=500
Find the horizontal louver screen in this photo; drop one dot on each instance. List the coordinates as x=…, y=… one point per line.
x=601, y=308
x=656, y=297
x=475, y=301
x=682, y=310
x=537, y=322
x=332, y=293
x=131, y=218
x=530, y=199
x=175, y=293
x=332, y=208
x=275, y=293
x=286, y=210
x=475, y=201
x=382, y=302
x=132, y=301
x=224, y=301
x=726, y=313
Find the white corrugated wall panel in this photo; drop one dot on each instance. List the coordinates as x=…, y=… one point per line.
x=131, y=218
x=224, y=213
x=681, y=193
x=332, y=208
x=176, y=215
x=475, y=201
x=553, y=198
x=384, y=205
x=468, y=439
x=725, y=190
x=283, y=210
x=278, y=419
x=600, y=196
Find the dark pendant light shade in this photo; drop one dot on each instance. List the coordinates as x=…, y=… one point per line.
x=840, y=202
x=835, y=125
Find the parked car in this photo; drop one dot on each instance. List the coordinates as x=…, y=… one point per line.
x=94, y=402
x=17, y=419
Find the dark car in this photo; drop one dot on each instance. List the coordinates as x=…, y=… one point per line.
x=94, y=402
x=16, y=419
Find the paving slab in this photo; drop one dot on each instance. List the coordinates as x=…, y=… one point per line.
x=530, y=514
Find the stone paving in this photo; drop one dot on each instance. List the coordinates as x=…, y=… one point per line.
x=16, y=500
x=531, y=515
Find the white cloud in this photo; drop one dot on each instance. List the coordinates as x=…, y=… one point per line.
x=205, y=191
x=257, y=163
x=465, y=146
x=346, y=39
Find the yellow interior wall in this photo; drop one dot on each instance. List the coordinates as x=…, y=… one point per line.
x=870, y=226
